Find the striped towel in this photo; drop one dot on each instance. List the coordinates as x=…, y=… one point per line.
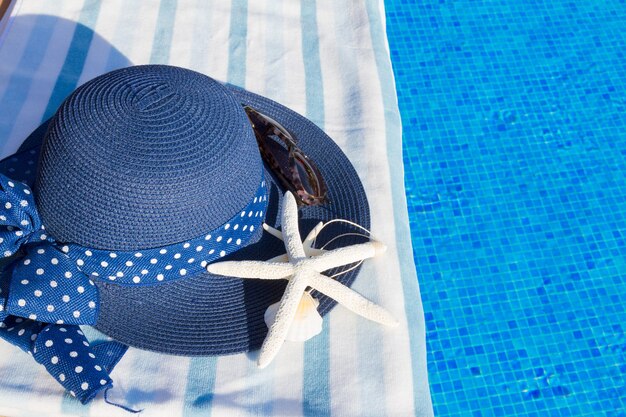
x=326, y=59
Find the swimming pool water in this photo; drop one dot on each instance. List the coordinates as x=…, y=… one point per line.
x=515, y=155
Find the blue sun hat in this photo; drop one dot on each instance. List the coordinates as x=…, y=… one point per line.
x=111, y=211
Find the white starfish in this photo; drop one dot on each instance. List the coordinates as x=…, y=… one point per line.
x=304, y=271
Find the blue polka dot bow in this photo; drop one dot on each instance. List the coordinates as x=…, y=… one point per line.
x=44, y=298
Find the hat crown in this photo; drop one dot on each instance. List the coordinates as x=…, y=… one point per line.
x=145, y=156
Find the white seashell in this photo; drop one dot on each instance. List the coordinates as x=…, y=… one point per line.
x=307, y=322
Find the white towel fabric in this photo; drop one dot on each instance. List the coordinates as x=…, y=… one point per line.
x=326, y=59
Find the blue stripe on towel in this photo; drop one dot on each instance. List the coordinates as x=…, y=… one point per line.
x=163, y=32
x=75, y=58
x=237, y=43
x=200, y=387
x=316, y=384
x=312, y=66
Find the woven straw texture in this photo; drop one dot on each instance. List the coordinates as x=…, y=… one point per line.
x=145, y=156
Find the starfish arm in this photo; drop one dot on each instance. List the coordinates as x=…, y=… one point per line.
x=310, y=238
x=286, y=312
x=280, y=258
x=251, y=269
x=352, y=300
x=285, y=259
x=272, y=231
x=347, y=255
x=314, y=252
x=291, y=234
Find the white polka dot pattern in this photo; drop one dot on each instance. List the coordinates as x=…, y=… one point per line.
x=39, y=280
x=153, y=266
x=68, y=357
x=20, y=332
x=19, y=222
x=62, y=350
x=46, y=286
x=54, y=292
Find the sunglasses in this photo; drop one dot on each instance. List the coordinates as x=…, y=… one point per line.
x=296, y=171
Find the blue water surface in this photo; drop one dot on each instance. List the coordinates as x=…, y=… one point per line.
x=514, y=116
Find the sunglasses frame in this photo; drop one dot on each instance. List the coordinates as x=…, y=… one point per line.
x=264, y=127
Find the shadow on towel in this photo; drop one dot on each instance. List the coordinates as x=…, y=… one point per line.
x=58, y=56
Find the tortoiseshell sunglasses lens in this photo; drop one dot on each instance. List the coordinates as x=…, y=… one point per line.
x=296, y=171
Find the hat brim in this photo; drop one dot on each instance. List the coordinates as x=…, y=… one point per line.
x=213, y=315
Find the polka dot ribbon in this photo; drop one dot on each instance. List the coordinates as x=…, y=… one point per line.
x=186, y=258
x=44, y=298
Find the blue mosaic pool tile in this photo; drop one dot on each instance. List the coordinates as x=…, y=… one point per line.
x=514, y=117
